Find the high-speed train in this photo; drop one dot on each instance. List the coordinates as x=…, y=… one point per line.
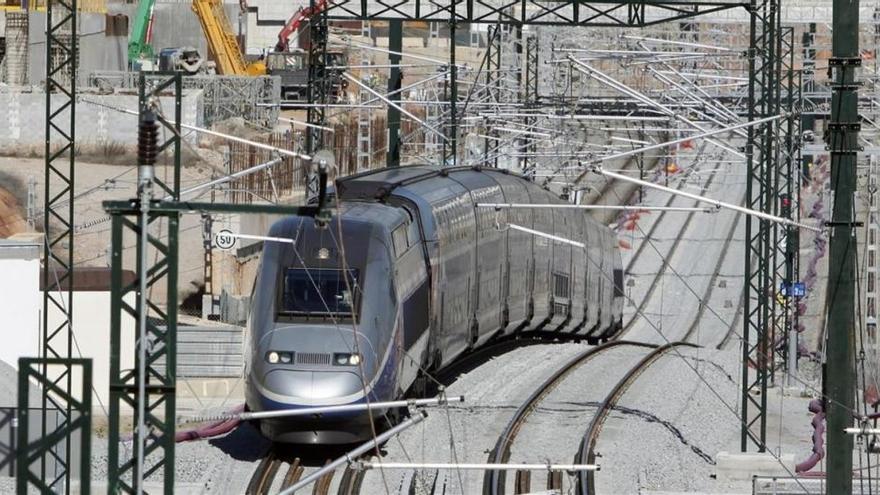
x=408, y=275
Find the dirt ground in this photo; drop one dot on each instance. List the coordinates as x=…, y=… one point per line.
x=93, y=184
x=12, y=214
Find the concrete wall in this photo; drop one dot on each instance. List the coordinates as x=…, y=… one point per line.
x=174, y=25
x=96, y=50
x=22, y=118
x=265, y=18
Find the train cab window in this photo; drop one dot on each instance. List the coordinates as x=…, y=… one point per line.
x=412, y=233
x=398, y=238
x=318, y=292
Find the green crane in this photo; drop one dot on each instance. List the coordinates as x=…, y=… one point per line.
x=139, y=47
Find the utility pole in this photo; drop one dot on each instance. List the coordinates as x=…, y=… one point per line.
x=842, y=140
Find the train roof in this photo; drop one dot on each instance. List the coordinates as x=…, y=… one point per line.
x=378, y=184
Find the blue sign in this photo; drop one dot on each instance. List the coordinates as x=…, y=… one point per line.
x=797, y=289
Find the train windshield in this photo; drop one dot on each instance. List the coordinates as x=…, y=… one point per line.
x=319, y=292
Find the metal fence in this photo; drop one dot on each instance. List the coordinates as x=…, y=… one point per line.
x=223, y=97
x=766, y=485
x=208, y=352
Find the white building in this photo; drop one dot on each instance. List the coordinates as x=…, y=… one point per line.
x=21, y=306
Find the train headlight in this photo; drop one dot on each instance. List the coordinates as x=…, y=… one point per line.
x=346, y=359
x=275, y=357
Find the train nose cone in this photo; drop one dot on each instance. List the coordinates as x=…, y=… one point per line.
x=314, y=385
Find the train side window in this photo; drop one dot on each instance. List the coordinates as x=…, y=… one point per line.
x=398, y=238
x=561, y=285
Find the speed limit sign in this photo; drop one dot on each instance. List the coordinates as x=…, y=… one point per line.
x=224, y=239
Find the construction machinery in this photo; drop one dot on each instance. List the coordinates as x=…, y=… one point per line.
x=293, y=69
x=141, y=55
x=292, y=25
x=140, y=48
x=292, y=64
x=222, y=41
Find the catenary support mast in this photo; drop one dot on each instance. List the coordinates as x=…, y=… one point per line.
x=843, y=130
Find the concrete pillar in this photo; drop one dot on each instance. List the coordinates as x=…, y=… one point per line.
x=16, y=61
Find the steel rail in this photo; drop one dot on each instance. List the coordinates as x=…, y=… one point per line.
x=647, y=241
x=707, y=294
x=294, y=473
x=587, y=479
x=666, y=260
x=351, y=481
x=261, y=480
x=493, y=481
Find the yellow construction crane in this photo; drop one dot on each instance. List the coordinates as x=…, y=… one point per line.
x=222, y=41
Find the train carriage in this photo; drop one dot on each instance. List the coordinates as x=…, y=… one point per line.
x=408, y=275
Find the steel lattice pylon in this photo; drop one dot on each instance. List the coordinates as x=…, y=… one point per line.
x=161, y=324
x=319, y=88
x=530, y=90
x=76, y=421
x=785, y=242
x=602, y=13
x=58, y=214
x=450, y=93
x=761, y=155
x=493, y=85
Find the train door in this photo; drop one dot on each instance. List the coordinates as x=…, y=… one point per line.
x=542, y=260
x=594, y=264
x=517, y=268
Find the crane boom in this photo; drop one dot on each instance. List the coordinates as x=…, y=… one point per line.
x=293, y=23
x=221, y=39
x=139, y=46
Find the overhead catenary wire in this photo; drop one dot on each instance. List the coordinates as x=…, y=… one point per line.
x=720, y=204
x=499, y=206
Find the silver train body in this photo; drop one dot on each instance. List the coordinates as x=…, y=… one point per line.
x=410, y=275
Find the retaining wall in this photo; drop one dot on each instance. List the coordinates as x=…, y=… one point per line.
x=23, y=114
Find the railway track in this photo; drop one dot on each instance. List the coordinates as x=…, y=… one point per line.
x=646, y=242
x=494, y=481
x=265, y=478
x=267, y=470
x=706, y=294
x=710, y=287
x=587, y=452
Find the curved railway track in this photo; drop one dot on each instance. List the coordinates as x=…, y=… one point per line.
x=494, y=481
x=351, y=480
x=587, y=452
x=266, y=473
